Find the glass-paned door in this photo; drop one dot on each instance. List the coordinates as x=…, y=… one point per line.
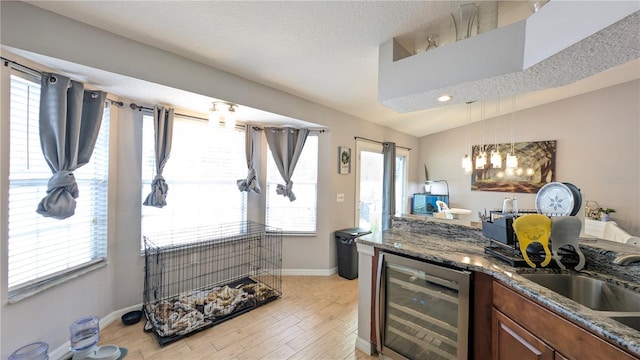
x=402, y=162
x=369, y=190
x=369, y=171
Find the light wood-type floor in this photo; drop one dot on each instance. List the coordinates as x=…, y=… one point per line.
x=316, y=318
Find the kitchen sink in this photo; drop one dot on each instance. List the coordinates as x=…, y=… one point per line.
x=593, y=293
x=631, y=321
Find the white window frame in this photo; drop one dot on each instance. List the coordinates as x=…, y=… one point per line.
x=204, y=141
x=95, y=253
x=311, y=205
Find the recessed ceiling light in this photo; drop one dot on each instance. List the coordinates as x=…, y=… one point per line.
x=444, y=98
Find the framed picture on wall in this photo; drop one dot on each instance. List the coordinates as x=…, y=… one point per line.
x=344, y=160
x=535, y=167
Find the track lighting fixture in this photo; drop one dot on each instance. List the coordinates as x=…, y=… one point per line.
x=222, y=113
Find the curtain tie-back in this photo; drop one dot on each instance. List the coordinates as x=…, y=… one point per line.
x=62, y=190
x=250, y=183
x=158, y=195
x=285, y=190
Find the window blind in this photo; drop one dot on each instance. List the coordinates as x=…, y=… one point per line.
x=201, y=172
x=297, y=216
x=40, y=249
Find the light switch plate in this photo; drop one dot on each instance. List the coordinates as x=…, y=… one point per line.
x=340, y=198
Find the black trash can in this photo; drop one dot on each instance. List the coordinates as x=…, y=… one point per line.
x=347, y=251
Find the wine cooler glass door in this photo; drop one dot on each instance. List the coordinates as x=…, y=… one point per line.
x=423, y=310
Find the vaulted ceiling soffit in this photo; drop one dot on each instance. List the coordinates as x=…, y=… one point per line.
x=563, y=42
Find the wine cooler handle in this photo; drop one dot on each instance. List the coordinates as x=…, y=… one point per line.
x=380, y=289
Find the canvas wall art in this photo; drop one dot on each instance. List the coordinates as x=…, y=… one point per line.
x=536, y=167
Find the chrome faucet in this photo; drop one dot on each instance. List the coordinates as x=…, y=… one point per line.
x=626, y=259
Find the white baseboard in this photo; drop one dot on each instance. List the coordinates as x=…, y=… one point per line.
x=365, y=346
x=309, y=272
x=63, y=352
x=60, y=353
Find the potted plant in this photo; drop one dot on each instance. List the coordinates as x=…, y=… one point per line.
x=604, y=213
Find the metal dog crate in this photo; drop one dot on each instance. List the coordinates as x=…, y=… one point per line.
x=201, y=282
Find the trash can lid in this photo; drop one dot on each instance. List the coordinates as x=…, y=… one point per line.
x=353, y=232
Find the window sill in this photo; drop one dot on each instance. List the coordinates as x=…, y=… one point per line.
x=295, y=234
x=27, y=291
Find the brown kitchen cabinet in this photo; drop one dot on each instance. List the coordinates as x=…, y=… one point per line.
x=511, y=341
x=523, y=329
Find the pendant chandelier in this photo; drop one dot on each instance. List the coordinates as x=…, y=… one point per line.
x=466, y=159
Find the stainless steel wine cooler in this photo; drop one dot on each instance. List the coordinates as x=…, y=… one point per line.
x=422, y=310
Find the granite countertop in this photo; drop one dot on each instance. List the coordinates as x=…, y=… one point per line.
x=462, y=246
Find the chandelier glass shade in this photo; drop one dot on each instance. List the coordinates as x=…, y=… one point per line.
x=466, y=164
x=481, y=160
x=496, y=159
x=512, y=161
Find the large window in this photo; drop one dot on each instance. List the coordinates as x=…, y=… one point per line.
x=297, y=216
x=43, y=250
x=201, y=172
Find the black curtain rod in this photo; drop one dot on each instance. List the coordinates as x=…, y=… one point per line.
x=319, y=131
x=30, y=71
x=134, y=106
x=379, y=142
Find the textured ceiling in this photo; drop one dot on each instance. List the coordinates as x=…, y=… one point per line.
x=323, y=51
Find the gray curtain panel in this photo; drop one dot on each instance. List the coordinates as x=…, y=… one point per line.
x=70, y=119
x=388, y=184
x=250, y=183
x=286, y=145
x=163, y=133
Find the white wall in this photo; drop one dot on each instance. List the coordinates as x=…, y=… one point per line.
x=46, y=316
x=598, y=137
